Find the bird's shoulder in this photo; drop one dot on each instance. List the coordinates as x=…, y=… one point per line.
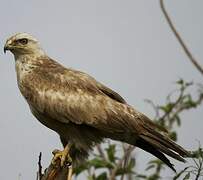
x=54, y=75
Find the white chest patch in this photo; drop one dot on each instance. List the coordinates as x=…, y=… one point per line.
x=23, y=67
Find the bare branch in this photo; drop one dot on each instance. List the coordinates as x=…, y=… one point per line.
x=119, y=165
x=100, y=150
x=174, y=105
x=127, y=158
x=179, y=38
x=39, y=173
x=53, y=172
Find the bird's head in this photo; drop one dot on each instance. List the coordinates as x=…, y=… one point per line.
x=22, y=44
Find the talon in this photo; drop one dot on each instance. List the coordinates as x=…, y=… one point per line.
x=55, y=151
x=68, y=161
x=63, y=156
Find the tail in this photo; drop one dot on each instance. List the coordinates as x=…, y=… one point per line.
x=158, y=145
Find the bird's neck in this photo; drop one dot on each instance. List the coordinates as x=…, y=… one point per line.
x=25, y=64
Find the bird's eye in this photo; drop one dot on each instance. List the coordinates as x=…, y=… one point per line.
x=23, y=41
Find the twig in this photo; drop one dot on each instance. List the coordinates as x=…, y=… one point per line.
x=150, y=102
x=126, y=154
x=183, y=107
x=199, y=171
x=200, y=165
x=99, y=149
x=39, y=174
x=179, y=38
x=126, y=160
x=174, y=105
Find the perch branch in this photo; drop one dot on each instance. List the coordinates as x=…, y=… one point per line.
x=53, y=172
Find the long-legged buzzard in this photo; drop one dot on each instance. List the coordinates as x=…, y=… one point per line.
x=80, y=109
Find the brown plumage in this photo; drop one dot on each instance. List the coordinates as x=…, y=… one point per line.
x=80, y=109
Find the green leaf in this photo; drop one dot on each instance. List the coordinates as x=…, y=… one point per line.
x=167, y=108
x=187, y=176
x=180, y=81
x=154, y=177
x=150, y=167
x=102, y=176
x=131, y=164
x=141, y=176
x=180, y=173
x=190, y=103
x=177, y=118
x=111, y=151
x=188, y=84
x=122, y=171
x=90, y=178
x=155, y=161
x=198, y=153
x=100, y=163
x=81, y=168
x=128, y=169
x=173, y=135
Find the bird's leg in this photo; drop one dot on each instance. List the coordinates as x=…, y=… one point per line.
x=70, y=173
x=62, y=155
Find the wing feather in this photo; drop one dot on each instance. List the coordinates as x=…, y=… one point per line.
x=69, y=95
x=109, y=92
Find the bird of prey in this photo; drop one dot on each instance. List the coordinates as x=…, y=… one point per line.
x=80, y=109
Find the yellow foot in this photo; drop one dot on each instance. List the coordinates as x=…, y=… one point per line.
x=70, y=173
x=63, y=156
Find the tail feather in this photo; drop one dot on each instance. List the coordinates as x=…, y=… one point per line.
x=141, y=143
x=162, y=148
x=166, y=141
x=158, y=145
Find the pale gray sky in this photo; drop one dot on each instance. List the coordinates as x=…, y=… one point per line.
x=125, y=44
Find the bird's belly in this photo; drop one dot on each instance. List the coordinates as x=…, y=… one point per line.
x=83, y=137
x=47, y=121
x=79, y=134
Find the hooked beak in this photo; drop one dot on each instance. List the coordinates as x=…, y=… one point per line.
x=5, y=49
x=7, y=46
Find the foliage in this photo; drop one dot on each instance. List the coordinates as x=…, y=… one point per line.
x=118, y=160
